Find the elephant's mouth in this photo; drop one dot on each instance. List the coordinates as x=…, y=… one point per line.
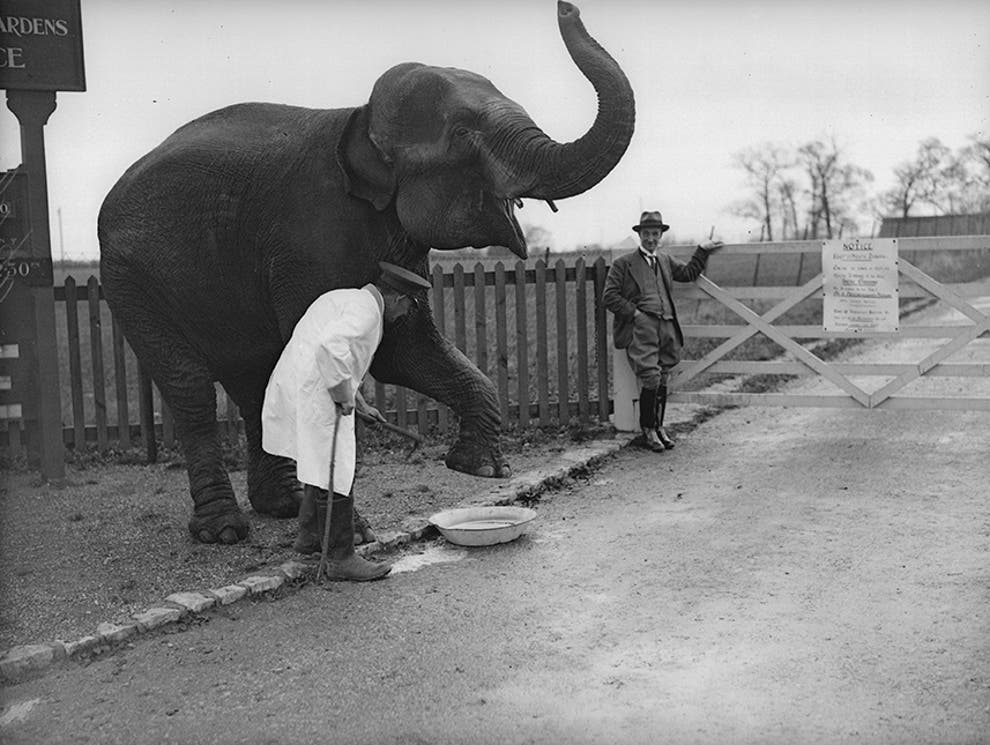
x=517, y=244
x=499, y=226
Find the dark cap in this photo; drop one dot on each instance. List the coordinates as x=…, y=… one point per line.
x=400, y=280
x=651, y=220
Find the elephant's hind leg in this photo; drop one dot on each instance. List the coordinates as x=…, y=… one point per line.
x=187, y=387
x=272, y=485
x=216, y=514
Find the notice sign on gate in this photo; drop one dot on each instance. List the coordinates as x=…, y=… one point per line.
x=860, y=283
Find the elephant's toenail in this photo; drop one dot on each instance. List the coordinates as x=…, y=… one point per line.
x=486, y=471
x=228, y=536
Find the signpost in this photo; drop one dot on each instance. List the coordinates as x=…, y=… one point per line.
x=41, y=52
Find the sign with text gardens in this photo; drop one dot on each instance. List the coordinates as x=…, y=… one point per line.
x=860, y=283
x=41, y=46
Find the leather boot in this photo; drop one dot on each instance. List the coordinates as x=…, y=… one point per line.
x=651, y=441
x=648, y=408
x=648, y=420
x=312, y=519
x=343, y=563
x=661, y=412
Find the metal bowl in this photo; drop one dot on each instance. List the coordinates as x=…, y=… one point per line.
x=483, y=526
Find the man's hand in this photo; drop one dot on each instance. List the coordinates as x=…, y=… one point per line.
x=711, y=246
x=366, y=411
x=344, y=409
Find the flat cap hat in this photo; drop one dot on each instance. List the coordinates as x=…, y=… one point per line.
x=400, y=279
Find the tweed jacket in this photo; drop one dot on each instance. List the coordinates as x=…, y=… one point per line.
x=628, y=276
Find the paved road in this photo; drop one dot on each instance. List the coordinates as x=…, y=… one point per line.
x=782, y=576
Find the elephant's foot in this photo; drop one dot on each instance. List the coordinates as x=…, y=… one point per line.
x=272, y=487
x=477, y=459
x=218, y=521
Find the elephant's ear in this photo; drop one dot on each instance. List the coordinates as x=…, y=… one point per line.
x=366, y=172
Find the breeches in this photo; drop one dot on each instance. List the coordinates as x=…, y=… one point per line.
x=654, y=351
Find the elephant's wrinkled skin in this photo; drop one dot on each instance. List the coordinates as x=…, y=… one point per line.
x=215, y=243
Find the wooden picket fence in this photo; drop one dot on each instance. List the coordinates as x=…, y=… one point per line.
x=537, y=331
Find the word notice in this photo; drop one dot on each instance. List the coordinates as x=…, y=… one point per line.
x=860, y=283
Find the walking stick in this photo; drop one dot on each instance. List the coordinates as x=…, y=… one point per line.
x=326, y=523
x=417, y=439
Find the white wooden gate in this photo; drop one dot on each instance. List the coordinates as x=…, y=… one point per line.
x=943, y=347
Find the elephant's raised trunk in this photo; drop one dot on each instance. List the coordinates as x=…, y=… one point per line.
x=556, y=171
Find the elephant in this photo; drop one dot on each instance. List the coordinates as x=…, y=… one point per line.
x=214, y=244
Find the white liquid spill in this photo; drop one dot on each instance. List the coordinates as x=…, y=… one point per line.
x=432, y=555
x=18, y=712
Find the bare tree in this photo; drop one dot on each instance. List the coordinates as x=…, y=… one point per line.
x=763, y=166
x=919, y=182
x=787, y=190
x=837, y=189
x=968, y=178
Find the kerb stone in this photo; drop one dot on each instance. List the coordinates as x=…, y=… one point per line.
x=262, y=583
x=229, y=594
x=191, y=601
x=27, y=657
x=112, y=632
x=81, y=646
x=293, y=569
x=155, y=617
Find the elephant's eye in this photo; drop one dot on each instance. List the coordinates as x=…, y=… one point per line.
x=461, y=131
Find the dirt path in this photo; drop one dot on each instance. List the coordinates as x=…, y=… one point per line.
x=783, y=576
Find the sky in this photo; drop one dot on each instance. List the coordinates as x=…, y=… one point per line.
x=711, y=78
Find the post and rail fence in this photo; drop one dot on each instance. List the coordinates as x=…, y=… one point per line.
x=541, y=334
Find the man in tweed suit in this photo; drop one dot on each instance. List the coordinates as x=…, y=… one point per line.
x=638, y=293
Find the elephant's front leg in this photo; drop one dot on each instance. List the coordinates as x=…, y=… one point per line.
x=477, y=450
x=416, y=356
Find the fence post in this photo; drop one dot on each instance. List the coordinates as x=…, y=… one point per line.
x=563, y=388
x=96, y=362
x=120, y=379
x=439, y=319
x=601, y=340
x=146, y=401
x=522, y=345
x=581, y=316
x=501, y=342
x=542, y=363
x=626, y=395
x=75, y=365
x=480, y=320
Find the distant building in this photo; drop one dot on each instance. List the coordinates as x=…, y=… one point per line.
x=911, y=227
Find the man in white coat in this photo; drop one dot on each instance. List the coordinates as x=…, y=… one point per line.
x=313, y=391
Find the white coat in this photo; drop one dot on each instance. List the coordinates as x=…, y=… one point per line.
x=331, y=348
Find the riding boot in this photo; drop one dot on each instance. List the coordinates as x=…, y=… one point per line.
x=343, y=563
x=661, y=412
x=312, y=518
x=648, y=419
